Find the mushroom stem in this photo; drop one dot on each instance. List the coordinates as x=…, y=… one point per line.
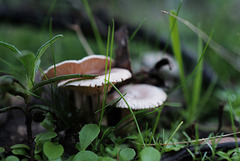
x=85, y=105
x=88, y=104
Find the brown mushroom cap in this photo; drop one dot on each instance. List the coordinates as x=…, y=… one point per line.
x=140, y=96
x=93, y=86
x=93, y=64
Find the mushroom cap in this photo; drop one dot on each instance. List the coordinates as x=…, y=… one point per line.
x=140, y=96
x=96, y=85
x=93, y=64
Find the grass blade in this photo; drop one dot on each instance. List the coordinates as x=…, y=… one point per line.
x=230, y=57
x=197, y=81
x=64, y=77
x=107, y=79
x=44, y=47
x=230, y=100
x=139, y=26
x=94, y=26
x=178, y=55
x=11, y=47
x=168, y=40
x=134, y=118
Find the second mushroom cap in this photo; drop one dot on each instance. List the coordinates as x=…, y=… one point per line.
x=140, y=96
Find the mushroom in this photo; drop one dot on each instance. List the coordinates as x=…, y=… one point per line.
x=93, y=64
x=138, y=97
x=88, y=65
x=96, y=85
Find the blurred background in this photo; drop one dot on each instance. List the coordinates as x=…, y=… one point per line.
x=25, y=24
x=28, y=24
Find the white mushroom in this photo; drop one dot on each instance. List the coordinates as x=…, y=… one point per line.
x=93, y=86
x=140, y=96
x=151, y=58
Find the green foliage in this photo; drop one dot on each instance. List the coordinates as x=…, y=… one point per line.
x=12, y=158
x=87, y=134
x=11, y=47
x=191, y=97
x=53, y=151
x=20, y=149
x=106, y=85
x=49, y=123
x=106, y=159
x=41, y=139
x=234, y=103
x=27, y=59
x=45, y=136
x=94, y=27
x=150, y=153
x=2, y=149
x=42, y=49
x=126, y=154
x=85, y=155
x=176, y=45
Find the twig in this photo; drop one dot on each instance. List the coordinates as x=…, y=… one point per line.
x=199, y=140
x=183, y=154
x=221, y=107
x=81, y=38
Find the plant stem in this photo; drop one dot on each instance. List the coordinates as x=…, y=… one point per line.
x=28, y=123
x=9, y=108
x=155, y=125
x=94, y=26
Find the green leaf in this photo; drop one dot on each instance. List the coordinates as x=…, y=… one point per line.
x=15, y=70
x=52, y=150
x=20, y=151
x=106, y=159
x=78, y=146
x=12, y=158
x=87, y=134
x=48, y=122
x=11, y=47
x=25, y=159
x=27, y=59
x=150, y=153
x=85, y=156
x=127, y=154
x=43, y=48
x=16, y=146
x=10, y=84
x=45, y=136
x=70, y=158
x=2, y=150
x=37, y=157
